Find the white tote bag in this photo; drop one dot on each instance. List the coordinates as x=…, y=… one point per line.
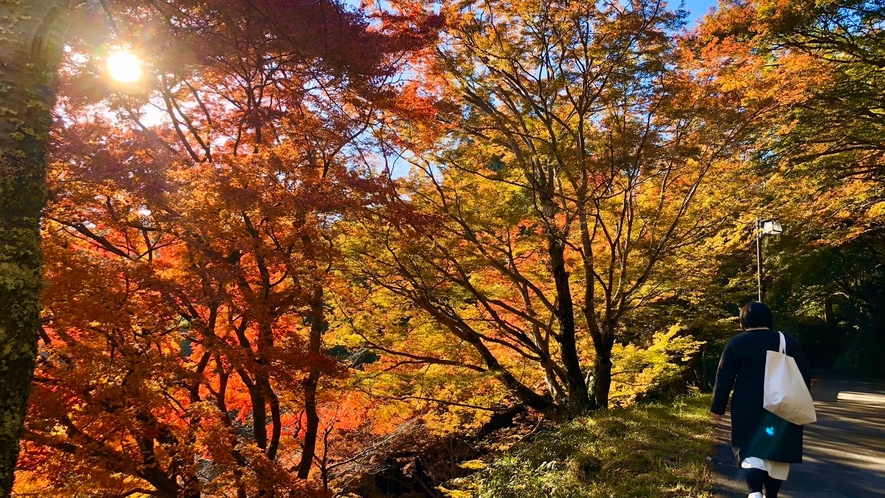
x=786, y=394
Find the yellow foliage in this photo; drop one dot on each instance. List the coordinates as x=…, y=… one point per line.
x=877, y=211
x=637, y=370
x=454, y=493
x=473, y=465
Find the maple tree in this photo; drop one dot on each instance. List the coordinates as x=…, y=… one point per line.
x=838, y=123
x=575, y=161
x=826, y=58
x=245, y=294
x=821, y=160
x=189, y=262
x=30, y=43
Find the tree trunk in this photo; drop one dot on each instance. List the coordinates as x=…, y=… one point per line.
x=317, y=324
x=578, y=397
x=602, y=369
x=30, y=51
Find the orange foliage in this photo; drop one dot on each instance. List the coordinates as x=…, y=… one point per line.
x=190, y=265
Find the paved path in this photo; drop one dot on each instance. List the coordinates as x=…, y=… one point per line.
x=844, y=451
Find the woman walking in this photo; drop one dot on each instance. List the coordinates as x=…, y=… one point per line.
x=764, y=444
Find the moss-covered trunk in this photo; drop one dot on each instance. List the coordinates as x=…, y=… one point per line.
x=30, y=49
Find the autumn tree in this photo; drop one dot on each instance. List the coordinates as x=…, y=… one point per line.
x=30, y=41
x=839, y=122
x=821, y=161
x=827, y=57
x=578, y=158
x=189, y=261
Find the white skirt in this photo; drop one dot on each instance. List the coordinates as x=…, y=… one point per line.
x=777, y=470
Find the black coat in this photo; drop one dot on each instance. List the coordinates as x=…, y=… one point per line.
x=755, y=431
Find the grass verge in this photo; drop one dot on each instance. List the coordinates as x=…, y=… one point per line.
x=650, y=450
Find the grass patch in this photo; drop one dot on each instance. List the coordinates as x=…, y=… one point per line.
x=650, y=450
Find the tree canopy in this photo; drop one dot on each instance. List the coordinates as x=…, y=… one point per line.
x=314, y=234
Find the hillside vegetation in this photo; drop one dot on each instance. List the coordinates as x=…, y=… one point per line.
x=648, y=450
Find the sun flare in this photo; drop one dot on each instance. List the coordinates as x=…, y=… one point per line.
x=124, y=67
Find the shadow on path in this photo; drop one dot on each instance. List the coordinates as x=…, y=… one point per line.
x=844, y=451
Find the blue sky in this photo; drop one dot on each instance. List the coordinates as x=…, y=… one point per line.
x=697, y=8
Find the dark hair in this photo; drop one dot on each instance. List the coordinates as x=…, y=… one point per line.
x=755, y=315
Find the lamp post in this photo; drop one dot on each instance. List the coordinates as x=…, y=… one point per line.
x=763, y=228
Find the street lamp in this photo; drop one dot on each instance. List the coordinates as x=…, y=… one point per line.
x=763, y=228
